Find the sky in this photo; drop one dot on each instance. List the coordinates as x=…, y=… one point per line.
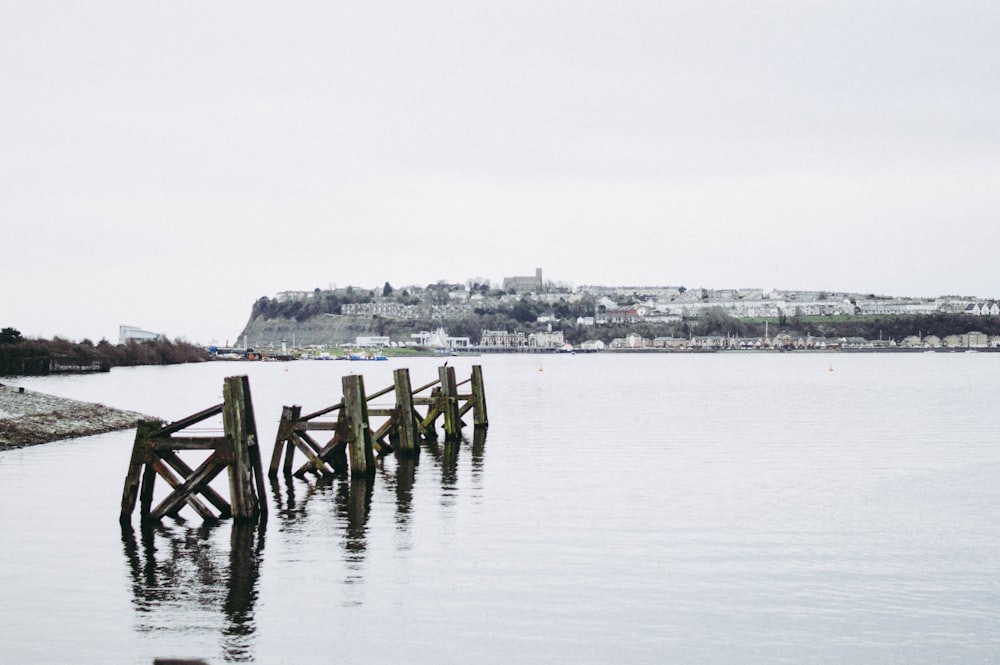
x=164, y=165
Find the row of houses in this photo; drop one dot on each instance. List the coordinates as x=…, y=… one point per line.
x=667, y=305
x=388, y=309
x=971, y=340
x=554, y=340
x=669, y=312
x=502, y=339
x=991, y=308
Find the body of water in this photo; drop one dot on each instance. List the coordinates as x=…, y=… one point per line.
x=719, y=508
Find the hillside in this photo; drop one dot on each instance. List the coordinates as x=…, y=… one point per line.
x=336, y=317
x=323, y=329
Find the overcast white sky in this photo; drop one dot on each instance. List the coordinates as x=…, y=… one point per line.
x=166, y=164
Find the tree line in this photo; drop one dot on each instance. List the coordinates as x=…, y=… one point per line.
x=15, y=347
x=320, y=302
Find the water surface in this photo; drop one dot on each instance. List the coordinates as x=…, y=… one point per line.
x=827, y=508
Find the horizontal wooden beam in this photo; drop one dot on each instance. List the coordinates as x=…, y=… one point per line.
x=190, y=443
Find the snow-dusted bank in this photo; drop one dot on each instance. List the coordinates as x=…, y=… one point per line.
x=28, y=418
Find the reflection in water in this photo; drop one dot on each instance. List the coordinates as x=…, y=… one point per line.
x=478, y=452
x=447, y=456
x=246, y=545
x=180, y=576
x=292, y=511
x=478, y=460
x=299, y=502
x=354, y=501
x=402, y=483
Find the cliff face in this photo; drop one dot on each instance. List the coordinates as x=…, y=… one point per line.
x=327, y=329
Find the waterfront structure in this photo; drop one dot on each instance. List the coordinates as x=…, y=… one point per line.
x=439, y=340
x=502, y=339
x=630, y=341
x=674, y=343
x=547, y=340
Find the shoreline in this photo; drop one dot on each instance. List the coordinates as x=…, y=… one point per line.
x=29, y=418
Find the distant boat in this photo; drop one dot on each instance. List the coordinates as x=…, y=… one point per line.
x=367, y=355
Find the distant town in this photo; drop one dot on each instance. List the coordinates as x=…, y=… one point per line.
x=529, y=313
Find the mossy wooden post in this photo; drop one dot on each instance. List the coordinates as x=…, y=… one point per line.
x=237, y=416
x=479, y=418
x=406, y=427
x=141, y=455
x=361, y=453
x=449, y=398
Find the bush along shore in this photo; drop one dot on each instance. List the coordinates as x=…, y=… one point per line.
x=29, y=418
x=22, y=357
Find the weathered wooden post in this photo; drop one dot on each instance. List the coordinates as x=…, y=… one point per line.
x=284, y=440
x=479, y=417
x=238, y=420
x=406, y=425
x=449, y=398
x=361, y=453
x=141, y=456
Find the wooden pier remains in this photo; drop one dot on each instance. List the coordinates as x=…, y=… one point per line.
x=355, y=442
x=155, y=453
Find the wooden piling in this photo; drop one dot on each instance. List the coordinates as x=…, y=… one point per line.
x=353, y=446
x=406, y=432
x=479, y=417
x=141, y=454
x=449, y=403
x=360, y=450
x=237, y=415
x=155, y=453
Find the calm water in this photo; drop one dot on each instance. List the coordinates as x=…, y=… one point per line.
x=654, y=509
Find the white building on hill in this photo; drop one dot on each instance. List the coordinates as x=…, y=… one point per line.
x=129, y=333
